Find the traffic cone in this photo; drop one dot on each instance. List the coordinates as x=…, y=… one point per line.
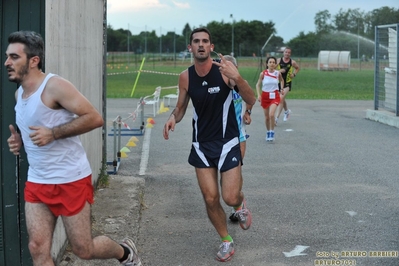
x=135, y=139
x=131, y=144
x=151, y=121
x=162, y=108
x=124, y=149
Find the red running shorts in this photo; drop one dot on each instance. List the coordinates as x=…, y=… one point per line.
x=62, y=199
x=269, y=98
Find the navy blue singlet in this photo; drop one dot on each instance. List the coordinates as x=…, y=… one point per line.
x=214, y=114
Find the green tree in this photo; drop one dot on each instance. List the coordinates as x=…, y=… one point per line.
x=221, y=36
x=351, y=21
x=258, y=34
x=186, y=33
x=382, y=16
x=168, y=42
x=116, y=39
x=322, y=21
x=137, y=44
x=305, y=45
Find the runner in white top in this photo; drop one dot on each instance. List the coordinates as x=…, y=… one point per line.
x=270, y=97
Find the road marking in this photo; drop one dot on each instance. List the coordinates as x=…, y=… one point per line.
x=297, y=251
x=351, y=213
x=145, y=151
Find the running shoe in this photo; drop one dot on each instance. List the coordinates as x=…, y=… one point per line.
x=268, y=136
x=133, y=259
x=226, y=251
x=244, y=216
x=271, y=135
x=233, y=216
x=286, y=115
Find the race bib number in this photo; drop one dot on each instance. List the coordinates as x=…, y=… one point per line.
x=272, y=95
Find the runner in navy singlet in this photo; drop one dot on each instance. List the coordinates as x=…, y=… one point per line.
x=215, y=139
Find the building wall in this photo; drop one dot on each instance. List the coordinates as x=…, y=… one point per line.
x=74, y=50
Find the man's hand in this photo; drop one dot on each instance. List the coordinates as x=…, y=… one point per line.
x=169, y=125
x=14, y=141
x=41, y=136
x=227, y=68
x=283, y=70
x=247, y=118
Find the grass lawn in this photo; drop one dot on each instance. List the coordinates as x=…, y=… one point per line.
x=310, y=83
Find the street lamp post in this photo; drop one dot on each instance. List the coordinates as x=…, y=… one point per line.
x=232, y=36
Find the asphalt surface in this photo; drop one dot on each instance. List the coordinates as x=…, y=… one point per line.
x=326, y=189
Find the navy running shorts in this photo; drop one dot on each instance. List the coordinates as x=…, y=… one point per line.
x=222, y=154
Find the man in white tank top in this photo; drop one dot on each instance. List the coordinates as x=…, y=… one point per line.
x=51, y=113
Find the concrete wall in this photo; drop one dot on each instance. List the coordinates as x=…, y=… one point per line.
x=74, y=50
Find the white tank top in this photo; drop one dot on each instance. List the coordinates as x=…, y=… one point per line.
x=270, y=81
x=58, y=162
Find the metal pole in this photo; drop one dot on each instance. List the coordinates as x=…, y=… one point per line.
x=232, y=36
x=119, y=122
x=160, y=44
x=174, y=45
x=397, y=70
x=358, y=43
x=115, y=161
x=142, y=114
x=104, y=85
x=145, y=40
x=376, y=67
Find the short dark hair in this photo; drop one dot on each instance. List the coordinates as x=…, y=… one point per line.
x=33, y=41
x=202, y=29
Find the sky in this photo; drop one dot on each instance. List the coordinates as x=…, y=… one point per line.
x=290, y=16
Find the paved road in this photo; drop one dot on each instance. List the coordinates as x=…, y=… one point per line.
x=327, y=184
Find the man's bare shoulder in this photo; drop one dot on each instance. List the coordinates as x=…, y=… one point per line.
x=184, y=72
x=183, y=80
x=58, y=82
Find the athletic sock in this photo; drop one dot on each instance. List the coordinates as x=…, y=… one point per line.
x=227, y=238
x=125, y=253
x=237, y=208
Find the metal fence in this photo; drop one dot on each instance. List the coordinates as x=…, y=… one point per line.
x=386, y=79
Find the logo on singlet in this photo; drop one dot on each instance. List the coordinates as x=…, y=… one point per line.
x=204, y=83
x=213, y=90
x=236, y=96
